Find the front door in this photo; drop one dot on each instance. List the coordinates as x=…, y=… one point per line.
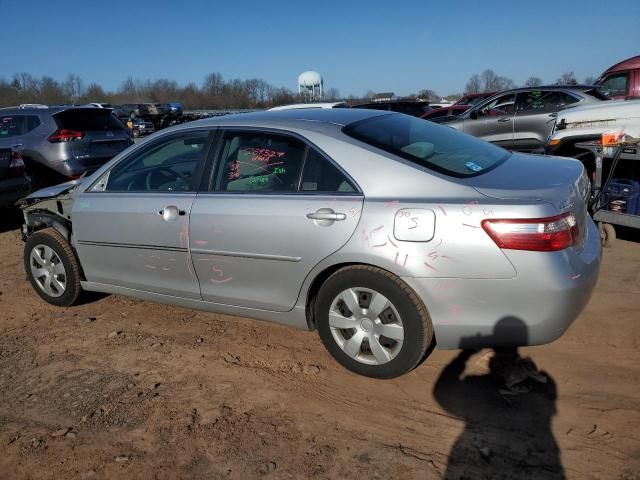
x=494, y=122
x=132, y=226
x=275, y=208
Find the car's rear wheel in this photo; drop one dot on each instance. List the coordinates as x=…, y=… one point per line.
x=52, y=267
x=372, y=323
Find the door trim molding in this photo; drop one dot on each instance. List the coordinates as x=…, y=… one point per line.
x=131, y=245
x=259, y=256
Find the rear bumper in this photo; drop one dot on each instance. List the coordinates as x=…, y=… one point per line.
x=534, y=308
x=13, y=189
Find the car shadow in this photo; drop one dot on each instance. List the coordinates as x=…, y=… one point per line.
x=507, y=411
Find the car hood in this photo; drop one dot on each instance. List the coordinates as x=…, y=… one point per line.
x=55, y=190
x=602, y=110
x=555, y=180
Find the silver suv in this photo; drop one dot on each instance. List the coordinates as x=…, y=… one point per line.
x=521, y=119
x=59, y=143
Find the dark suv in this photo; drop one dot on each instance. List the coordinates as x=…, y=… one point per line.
x=59, y=143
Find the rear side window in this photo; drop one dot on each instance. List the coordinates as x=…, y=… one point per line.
x=321, y=176
x=88, y=120
x=428, y=144
x=16, y=125
x=543, y=100
x=259, y=162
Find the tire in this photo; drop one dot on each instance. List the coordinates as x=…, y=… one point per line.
x=357, y=342
x=607, y=235
x=47, y=252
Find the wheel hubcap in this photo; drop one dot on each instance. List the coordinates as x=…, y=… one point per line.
x=366, y=326
x=48, y=270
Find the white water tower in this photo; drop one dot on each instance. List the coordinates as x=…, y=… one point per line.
x=310, y=85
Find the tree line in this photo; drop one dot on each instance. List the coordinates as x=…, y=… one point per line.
x=489, y=81
x=214, y=92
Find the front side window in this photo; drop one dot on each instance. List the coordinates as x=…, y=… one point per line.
x=502, y=105
x=428, y=144
x=615, y=85
x=169, y=165
x=259, y=162
x=16, y=125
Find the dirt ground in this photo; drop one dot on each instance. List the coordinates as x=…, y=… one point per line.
x=120, y=388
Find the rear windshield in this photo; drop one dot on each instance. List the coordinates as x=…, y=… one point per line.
x=427, y=144
x=88, y=120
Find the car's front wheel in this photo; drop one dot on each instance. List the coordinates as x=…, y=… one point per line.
x=372, y=323
x=52, y=267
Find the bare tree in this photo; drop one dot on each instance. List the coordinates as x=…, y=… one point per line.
x=567, y=78
x=533, y=82
x=428, y=94
x=332, y=94
x=213, y=84
x=51, y=92
x=474, y=85
x=589, y=80
x=73, y=88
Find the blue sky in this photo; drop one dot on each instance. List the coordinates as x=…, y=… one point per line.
x=356, y=46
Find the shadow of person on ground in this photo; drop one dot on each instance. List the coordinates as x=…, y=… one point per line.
x=507, y=411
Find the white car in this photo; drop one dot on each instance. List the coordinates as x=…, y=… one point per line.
x=586, y=123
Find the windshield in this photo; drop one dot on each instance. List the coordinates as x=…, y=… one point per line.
x=434, y=146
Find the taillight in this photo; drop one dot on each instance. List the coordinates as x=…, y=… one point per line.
x=16, y=166
x=537, y=234
x=65, y=135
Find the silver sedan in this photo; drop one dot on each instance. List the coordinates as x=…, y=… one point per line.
x=386, y=233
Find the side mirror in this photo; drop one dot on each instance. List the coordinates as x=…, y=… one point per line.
x=473, y=115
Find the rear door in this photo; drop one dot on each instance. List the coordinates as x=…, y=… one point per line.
x=273, y=209
x=99, y=135
x=494, y=122
x=132, y=226
x=536, y=112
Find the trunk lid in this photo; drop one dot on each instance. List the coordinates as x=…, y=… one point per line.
x=555, y=180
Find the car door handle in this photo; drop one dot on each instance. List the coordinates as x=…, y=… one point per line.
x=554, y=115
x=504, y=119
x=171, y=212
x=327, y=216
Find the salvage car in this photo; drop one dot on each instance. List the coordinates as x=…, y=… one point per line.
x=384, y=232
x=59, y=143
x=522, y=118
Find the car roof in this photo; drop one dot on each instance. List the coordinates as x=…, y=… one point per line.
x=314, y=118
x=309, y=105
x=628, y=64
x=47, y=109
x=548, y=87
